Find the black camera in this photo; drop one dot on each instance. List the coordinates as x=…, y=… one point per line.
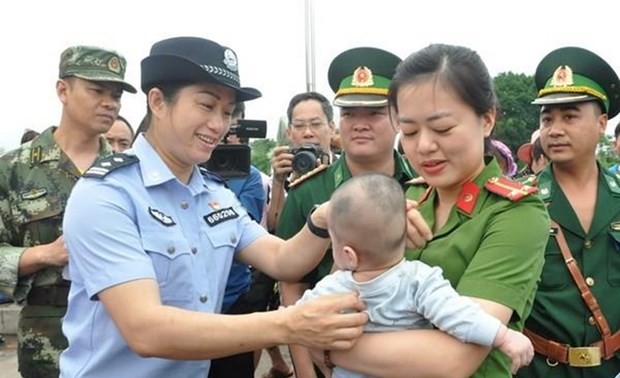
x=307, y=157
x=234, y=160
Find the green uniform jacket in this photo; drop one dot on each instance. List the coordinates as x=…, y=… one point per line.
x=491, y=248
x=35, y=182
x=316, y=190
x=559, y=313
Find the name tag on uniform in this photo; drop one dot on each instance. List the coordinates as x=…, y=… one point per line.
x=220, y=216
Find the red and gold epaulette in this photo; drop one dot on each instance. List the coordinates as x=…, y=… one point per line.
x=508, y=188
x=307, y=175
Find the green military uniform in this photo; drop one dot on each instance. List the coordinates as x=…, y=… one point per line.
x=35, y=182
x=318, y=189
x=560, y=315
x=491, y=247
x=360, y=77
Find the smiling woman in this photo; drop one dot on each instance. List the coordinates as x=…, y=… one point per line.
x=149, y=276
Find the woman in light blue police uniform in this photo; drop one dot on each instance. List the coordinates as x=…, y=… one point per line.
x=151, y=240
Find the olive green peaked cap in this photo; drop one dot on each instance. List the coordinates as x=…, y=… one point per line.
x=361, y=76
x=573, y=74
x=94, y=64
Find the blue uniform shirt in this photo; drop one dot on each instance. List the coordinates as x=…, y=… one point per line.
x=140, y=222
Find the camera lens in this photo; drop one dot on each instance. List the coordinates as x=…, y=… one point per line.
x=303, y=162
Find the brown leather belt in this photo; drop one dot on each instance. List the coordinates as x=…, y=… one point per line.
x=48, y=296
x=564, y=353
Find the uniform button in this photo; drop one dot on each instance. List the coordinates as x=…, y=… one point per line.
x=591, y=320
x=587, y=244
x=194, y=250
x=233, y=239
x=590, y=281
x=203, y=298
x=171, y=250
x=184, y=205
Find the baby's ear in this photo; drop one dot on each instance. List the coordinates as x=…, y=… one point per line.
x=351, y=257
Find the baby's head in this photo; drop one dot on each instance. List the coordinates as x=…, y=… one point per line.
x=367, y=219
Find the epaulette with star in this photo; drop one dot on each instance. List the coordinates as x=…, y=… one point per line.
x=508, y=188
x=307, y=175
x=110, y=163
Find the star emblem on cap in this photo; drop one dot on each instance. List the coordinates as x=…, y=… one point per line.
x=362, y=77
x=114, y=65
x=562, y=77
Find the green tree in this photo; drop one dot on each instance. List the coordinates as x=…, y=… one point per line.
x=261, y=154
x=605, y=151
x=517, y=117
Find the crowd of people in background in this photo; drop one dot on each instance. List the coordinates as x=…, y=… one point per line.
x=408, y=223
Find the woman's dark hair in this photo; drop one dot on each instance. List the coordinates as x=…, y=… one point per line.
x=457, y=67
x=29, y=135
x=169, y=90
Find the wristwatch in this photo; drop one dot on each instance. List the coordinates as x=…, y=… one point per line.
x=316, y=230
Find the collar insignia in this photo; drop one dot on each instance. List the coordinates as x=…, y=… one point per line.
x=162, y=218
x=362, y=77
x=562, y=77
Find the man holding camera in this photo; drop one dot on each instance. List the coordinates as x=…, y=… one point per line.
x=360, y=77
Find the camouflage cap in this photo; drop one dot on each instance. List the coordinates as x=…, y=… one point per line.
x=94, y=64
x=573, y=74
x=361, y=77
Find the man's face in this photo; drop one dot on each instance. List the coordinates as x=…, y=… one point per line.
x=569, y=133
x=309, y=125
x=119, y=136
x=90, y=105
x=366, y=133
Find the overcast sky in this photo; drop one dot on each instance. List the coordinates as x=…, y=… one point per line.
x=269, y=39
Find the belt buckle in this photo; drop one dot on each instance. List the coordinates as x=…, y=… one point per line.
x=584, y=356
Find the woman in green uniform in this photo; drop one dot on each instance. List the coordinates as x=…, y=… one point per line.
x=488, y=232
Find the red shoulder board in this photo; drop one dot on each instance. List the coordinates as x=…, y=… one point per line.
x=508, y=188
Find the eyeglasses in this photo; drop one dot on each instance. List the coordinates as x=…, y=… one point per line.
x=313, y=125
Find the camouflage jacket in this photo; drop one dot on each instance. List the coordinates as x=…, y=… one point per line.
x=35, y=182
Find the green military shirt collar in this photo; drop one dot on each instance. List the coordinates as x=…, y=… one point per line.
x=45, y=149
x=402, y=170
x=473, y=193
x=546, y=180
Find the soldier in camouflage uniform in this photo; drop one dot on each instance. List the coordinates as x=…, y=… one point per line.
x=35, y=182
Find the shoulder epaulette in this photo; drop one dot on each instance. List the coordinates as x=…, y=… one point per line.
x=508, y=188
x=529, y=180
x=110, y=163
x=307, y=175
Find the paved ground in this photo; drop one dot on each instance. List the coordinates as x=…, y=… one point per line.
x=8, y=359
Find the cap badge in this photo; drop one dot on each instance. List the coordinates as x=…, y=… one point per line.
x=114, y=65
x=562, y=77
x=362, y=77
x=230, y=60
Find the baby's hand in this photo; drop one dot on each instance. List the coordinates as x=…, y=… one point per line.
x=516, y=346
